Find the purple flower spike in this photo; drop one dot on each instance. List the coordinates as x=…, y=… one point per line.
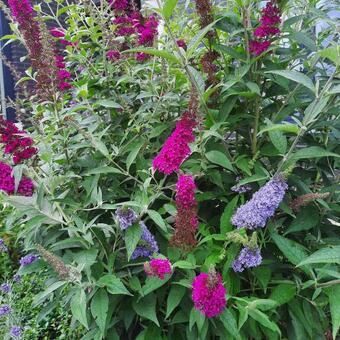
x=148, y=244
x=16, y=278
x=16, y=331
x=5, y=288
x=5, y=310
x=28, y=259
x=126, y=217
x=247, y=258
x=3, y=248
x=261, y=206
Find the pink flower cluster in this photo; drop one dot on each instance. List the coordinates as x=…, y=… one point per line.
x=7, y=182
x=185, y=196
x=113, y=55
x=176, y=148
x=269, y=27
x=119, y=5
x=144, y=28
x=181, y=43
x=63, y=74
x=186, y=218
x=209, y=294
x=16, y=142
x=158, y=267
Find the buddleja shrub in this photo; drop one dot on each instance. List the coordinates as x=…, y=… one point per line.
x=180, y=179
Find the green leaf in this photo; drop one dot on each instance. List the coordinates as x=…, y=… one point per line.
x=113, y=285
x=225, y=224
x=132, y=237
x=263, y=274
x=153, y=283
x=158, y=53
x=324, y=255
x=184, y=265
x=86, y=258
x=332, y=53
x=157, y=218
x=196, y=40
x=286, y=127
x=230, y=324
x=292, y=250
x=313, y=110
x=304, y=39
x=168, y=8
x=198, y=79
x=108, y=103
x=197, y=318
x=133, y=154
x=99, y=308
x=146, y=308
x=174, y=298
x=41, y=297
x=306, y=219
x=312, y=152
x=102, y=170
x=279, y=140
x=263, y=319
x=252, y=179
x=334, y=304
x=283, y=293
x=219, y=158
x=78, y=307
x=298, y=77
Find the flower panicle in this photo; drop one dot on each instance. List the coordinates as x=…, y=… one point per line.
x=209, y=294
x=263, y=204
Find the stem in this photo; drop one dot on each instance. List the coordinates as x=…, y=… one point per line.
x=290, y=151
x=329, y=283
x=256, y=128
x=185, y=66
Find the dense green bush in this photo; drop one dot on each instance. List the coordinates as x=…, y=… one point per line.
x=259, y=110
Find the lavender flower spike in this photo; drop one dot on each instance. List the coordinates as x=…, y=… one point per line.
x=247, y=258
x=16, y=331
x=5, y=310
x=147, y=246
x=3, y=247
x=126, y=217
x=261, y=206
x=5, y=288
x=28, y=259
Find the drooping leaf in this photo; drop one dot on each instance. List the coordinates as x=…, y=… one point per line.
x=169, y=56
x=153, y=283
x=146, y=308
x=133, y=154
x=334, y=303
x=225, y=224
x=219, y=158
x=168, y=8
x=264, y=320
x=298, y=77
x=174, y=298
x=113, y=285
x=283, y=293
x=324, y=255
x=78, y=307
x=157, y=218
x=99, y=308
x=132, y=237
x=230, y=324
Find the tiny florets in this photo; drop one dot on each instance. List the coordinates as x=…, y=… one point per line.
x=248, y=258
x=209, y=294
x=261, y=206
x=158, y=267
